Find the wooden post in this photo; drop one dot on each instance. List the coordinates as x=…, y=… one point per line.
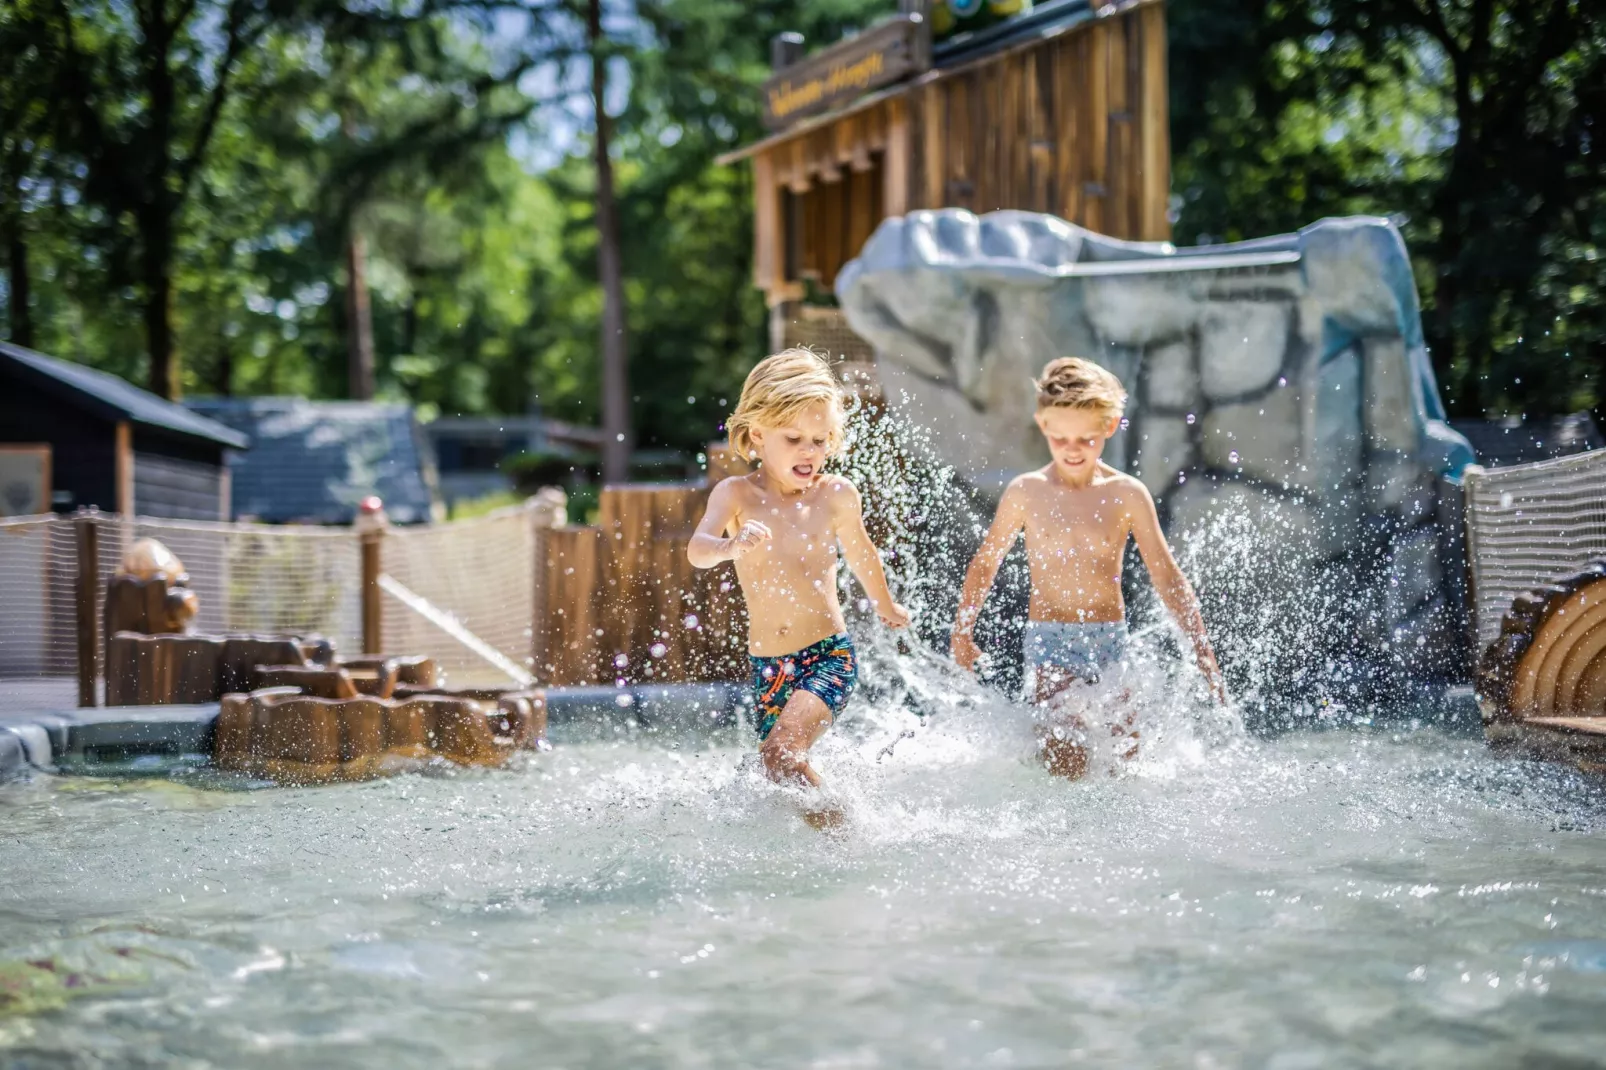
x=371, y=526
x=123, y=467
x=896, y=161
x=1155, y=129
x=88, y=611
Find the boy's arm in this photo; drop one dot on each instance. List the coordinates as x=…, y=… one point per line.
x=708, y=546
x=1173, y=587
x=847, y=519
x=1007, y=523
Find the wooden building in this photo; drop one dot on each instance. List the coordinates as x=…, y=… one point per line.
x=96, y=440
x=1061, y=109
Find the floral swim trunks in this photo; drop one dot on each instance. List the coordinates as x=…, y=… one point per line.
x=828, y=670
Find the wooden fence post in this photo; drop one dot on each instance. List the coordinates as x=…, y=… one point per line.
x=547, y=511
x=371, y=524
x=87, y=530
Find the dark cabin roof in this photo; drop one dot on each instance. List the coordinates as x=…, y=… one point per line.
x=1505, y=442
x=313, y=461
x=111, y=398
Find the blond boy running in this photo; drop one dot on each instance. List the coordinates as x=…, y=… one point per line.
x=784, y=527
x=1077, y=512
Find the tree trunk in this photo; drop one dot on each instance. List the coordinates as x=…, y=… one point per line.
x=155, y=220
x=359, y=320
x=616, y=433
x=20, y=285
x=223, y=374
x=156, y=261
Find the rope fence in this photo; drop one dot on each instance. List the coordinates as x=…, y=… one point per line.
x=1529, y=525
x=475, y=586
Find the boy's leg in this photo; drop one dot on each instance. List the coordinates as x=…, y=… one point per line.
x=785, y=750
x=1062, y=752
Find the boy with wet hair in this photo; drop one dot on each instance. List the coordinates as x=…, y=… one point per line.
x=1076, y=513
x=784, y=526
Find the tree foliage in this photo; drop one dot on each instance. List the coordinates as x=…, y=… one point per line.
x=455, y=137
x=1476, y=122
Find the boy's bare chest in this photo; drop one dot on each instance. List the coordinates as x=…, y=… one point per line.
x=1083, y=520
x=800, y=531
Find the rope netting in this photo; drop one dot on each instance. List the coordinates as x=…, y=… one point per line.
x=269, y=579
x=480, y=573
x=1532, y=524
x=827, y=330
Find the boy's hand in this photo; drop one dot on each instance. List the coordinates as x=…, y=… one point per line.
x=893, y=615
x=1212, y=674
x=964, y=650
x=752, y=533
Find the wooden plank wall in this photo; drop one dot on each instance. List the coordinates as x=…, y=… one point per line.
x=625, y=603
x=1075, y=126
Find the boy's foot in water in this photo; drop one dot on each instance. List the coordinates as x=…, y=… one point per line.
x=825, y=818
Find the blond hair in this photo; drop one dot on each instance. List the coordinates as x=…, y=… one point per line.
x=777, y=390
x=1074, y=383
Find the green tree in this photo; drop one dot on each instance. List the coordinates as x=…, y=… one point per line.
x=1474, y=120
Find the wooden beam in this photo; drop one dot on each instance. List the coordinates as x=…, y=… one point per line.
x=123, y=465
x=87, y=529
x=1067, y=77
x=1119, y=219
x=934, y=137
x=895, y=164
x=1095, y=148
x=861, y=206
x=797, y=167
x=373, y=629
x=768, y=236
x=1155, y=131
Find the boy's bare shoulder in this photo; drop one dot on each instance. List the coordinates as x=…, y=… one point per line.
x=733, y=485
x=1123, y=482
x=838, y=491
x=1028, y=482
x=738, y=490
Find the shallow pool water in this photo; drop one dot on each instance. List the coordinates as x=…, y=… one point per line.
x=1371, y=896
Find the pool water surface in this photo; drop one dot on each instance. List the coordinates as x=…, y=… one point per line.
x=1364, y=896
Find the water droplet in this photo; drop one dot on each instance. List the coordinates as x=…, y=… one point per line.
x=1190, y=418
x=691, y=620
x=624, y=700
x=1232, y=457
x=658, y=650
x=620, y=661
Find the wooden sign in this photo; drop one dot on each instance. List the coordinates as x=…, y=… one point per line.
x=879, y=56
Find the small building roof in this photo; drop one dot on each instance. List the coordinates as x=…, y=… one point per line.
x=113, y=399
x=1510, y=441
x=315, y=461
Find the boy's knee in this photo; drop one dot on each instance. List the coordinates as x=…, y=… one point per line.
x=777, y=749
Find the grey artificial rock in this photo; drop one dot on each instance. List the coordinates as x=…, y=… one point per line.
x=1300, y=357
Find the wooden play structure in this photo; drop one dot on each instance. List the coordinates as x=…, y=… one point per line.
x=1542, y=683
x=1059, y=109
x=1536, y=544
x=292, y=710
x=624, y=603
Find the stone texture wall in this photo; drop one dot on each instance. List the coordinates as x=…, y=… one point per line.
x=1281, y=392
